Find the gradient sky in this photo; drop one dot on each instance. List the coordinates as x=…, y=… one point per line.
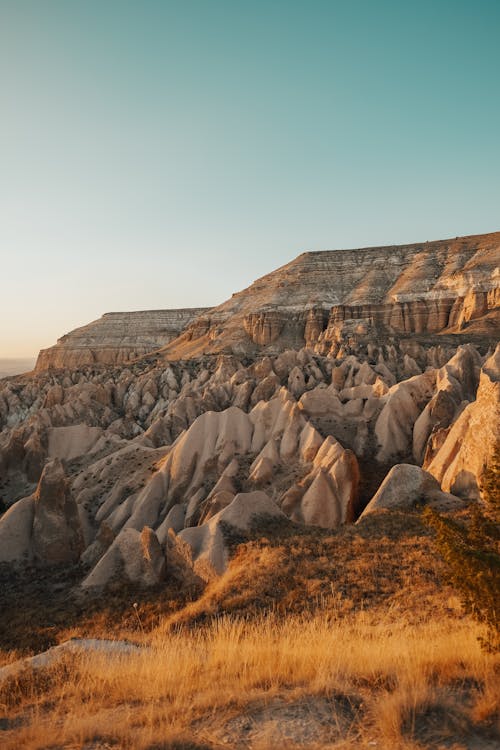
x=164, y=154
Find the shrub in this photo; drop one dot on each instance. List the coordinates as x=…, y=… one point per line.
x=472, y=553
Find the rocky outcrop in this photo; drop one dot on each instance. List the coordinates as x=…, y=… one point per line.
x=134, y=557
x=16, y=527
x=221, y=452
x=456, y=385
x=403, y=405
x=324, y=300
x=207, y=542
x=116, y=338
x=326, y=373
x=405, y=487
x=57, y=536
x=44, y=528
x=471, y=440
x=75, y=646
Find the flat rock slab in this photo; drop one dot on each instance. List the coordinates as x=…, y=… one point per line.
x=73, y=646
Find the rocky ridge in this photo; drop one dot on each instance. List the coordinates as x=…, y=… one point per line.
x=134, y=471
x=144, y=463
x=325, y=300
x=117, y=338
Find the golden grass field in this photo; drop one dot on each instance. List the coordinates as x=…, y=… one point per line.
x=320, y=681
x=312, y=640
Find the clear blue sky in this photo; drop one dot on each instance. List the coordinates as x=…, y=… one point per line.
x=165, y=154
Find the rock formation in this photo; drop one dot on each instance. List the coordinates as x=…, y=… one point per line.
x=44, y=527
x=134, y=557
x=407, y=486
x=135, y=470
x=116, y=338
x=207, y=542
x=470, y=441
x=324, y=299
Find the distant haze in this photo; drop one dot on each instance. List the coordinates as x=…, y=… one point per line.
x=166, y=154
x=15, y=366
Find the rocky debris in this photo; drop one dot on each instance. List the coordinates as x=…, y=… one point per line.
x=407, y=486
x=116, y=338
x=284, y=722
x=207, y=542
x=468, y=444
x=325, y=300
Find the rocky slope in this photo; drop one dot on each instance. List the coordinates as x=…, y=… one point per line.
x=116, y=338
x=126, y=468
x=325, y=299
x=134, y=471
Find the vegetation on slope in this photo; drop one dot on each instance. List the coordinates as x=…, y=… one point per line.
x=312, y=638
x=317, y=682
x=472, y=554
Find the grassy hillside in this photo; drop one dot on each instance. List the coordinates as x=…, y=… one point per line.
x=310, y=639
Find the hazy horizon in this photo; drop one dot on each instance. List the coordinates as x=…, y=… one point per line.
x=15, y=365
x=164, y=154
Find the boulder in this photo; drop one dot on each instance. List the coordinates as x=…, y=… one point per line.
x=407, y=486
x=321, y=401
x=319, y=505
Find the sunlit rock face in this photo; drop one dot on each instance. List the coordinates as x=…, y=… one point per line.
x=465, y=447
x=116, y=338
x=168, y=447
x=324, y=299
x=286, y=402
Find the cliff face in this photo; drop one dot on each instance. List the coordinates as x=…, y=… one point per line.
x=117, y=338
x=322, y=298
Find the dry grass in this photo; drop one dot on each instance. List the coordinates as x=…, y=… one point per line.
x=310, y=639
x=343, y=682
x=386, y=562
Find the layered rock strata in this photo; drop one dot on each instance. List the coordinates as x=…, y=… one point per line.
x=324, y=299
x=116, y=338
x=135, y=471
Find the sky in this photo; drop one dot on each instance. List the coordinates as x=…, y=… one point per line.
x=158, y=154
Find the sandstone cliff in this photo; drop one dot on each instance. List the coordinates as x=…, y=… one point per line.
x=324, y=299
x=171, y=446
x=116, y=338
x=135, y=470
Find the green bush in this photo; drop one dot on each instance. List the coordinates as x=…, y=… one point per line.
x=472, y=554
